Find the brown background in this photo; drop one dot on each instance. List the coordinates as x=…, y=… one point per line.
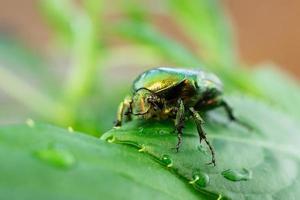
x=266, y=30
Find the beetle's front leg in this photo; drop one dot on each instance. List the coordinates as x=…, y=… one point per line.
x=179, y=123
x=232, y=117
x=199, y=121
x=124, y=109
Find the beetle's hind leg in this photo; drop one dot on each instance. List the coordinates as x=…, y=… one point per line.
x=124, y=109
x=232, y=117
x=202, y=136
x=179, y=123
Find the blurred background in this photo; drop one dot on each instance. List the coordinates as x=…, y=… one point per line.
x=265, y=30
x=70, y=62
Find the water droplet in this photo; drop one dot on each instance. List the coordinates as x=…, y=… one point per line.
x=237, y=175
x=56, y=156
x=111, y=139
x=200, y=179
x=70, y=129
x=167, y=160
x=142, y=149
x=30, y=122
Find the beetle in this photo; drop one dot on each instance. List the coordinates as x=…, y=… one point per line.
x=174, y=93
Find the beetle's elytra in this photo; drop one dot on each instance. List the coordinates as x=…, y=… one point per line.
x=171, y=93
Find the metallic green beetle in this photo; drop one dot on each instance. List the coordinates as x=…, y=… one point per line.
x=171, y=93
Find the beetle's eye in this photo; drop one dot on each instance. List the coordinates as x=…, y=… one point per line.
x=141, y=102
x=149, y=99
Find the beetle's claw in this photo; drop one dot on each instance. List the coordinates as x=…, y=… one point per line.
x=213, y=162
x=117, y=123
x=201, y=139
x=176, y=148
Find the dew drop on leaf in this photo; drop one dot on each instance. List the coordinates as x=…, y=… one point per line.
x=220, y=197
x=111, y=139
x=237, y=175
x=167, y=161
x=200, y=179
x=56, y=156
x=142, y=149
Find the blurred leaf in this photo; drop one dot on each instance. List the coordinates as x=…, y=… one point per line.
x=238, y=80
x=80, y=25
x=85, y=57
x=28, y=95
x=94, y=9
x=86, y=66
x=260, y=164
x=174, y=53
x=44, y=162
x=135, y=10
x=18, y=57
x=14, y=52
x=59, y=13
x=205, y=22
x=280, y=88
x=147, y=34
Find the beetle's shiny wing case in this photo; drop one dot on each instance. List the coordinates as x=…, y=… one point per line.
x=160, y=79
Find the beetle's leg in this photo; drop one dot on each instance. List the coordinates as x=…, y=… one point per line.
x=124, y=109
x=199, y=121
x=232, y=117
x=179, y=123
x=228, y=110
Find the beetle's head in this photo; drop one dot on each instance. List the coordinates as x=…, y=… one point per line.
x=210, y=84
x=144, y=101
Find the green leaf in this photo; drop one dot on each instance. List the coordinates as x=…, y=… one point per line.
x=19, y=57
x=44, y=162
x=147, y=34
x=281, y=89
x=59, y=13
x=34, y=99
x=262, y=163
x=205, y=22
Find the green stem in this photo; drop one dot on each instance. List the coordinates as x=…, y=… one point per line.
x=85, y=50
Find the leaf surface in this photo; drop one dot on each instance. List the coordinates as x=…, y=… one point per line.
x=44, y=162
x=265, y=160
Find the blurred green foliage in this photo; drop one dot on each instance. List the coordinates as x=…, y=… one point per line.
x=86, y=96
x=102, y=42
